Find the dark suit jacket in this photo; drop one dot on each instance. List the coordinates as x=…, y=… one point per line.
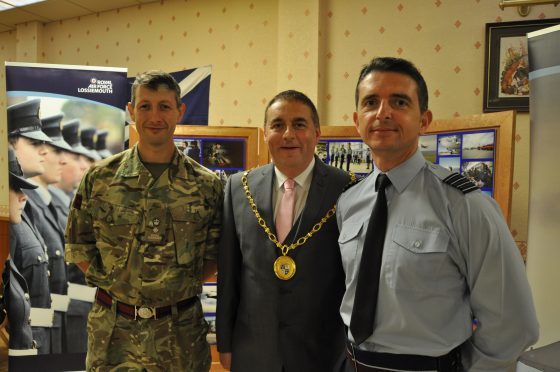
x=270, y=324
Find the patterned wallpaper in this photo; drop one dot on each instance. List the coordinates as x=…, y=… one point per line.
x=257, y=48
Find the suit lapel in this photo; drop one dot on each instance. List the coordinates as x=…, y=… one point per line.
x=261, y=183
x=314, y=209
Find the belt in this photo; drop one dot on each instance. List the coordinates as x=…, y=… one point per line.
x=143, y=312
x=371, y=361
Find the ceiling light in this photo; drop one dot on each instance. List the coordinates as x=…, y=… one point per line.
x=18, y=3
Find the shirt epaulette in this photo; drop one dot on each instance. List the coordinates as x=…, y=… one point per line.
x=352, y=183
x=453, y=179
x=460, y=182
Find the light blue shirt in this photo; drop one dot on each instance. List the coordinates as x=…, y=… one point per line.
x=448, y=257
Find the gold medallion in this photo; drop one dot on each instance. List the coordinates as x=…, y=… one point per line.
x=284, y=267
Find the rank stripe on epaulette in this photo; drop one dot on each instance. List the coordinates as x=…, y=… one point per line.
x=460, y=182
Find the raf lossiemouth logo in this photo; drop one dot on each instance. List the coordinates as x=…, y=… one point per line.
x=98, y=86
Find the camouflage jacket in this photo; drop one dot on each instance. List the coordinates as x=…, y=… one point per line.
x=144, y=238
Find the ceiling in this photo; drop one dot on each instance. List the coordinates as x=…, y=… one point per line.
x=55, y=10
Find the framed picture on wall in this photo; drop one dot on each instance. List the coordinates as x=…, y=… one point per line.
x=506, y=67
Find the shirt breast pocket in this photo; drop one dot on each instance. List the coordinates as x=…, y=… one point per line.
x=348, y=240
x=189, y=229
x=115, y=229
x=34, y=267
x=419, y=257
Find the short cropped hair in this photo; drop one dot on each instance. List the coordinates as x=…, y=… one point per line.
x=391, y=64
x=154, y=80
x=294, y=95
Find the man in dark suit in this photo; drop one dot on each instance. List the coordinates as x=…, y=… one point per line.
x=270, y=317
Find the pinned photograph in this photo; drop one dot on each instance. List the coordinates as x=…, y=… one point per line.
x=452, y=163
x=479, y=172
x=190, y=147
x=428, y=147
x=449, y=145
x=478, y=145
x=223, y=154
x=348, y=155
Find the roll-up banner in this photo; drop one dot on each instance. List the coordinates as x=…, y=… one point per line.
x=61, y=120
x=195, y=93
x=544, y=190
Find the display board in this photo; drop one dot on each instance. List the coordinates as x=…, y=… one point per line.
x=245, y=145
x=479, y=146
x=482, y=146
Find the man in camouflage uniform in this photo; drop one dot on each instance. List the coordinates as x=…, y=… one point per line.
x=144, y=225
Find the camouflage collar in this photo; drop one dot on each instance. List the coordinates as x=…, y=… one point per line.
x=131, y=165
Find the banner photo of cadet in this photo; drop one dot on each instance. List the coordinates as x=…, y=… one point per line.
x=61, y=120
x=195, y=94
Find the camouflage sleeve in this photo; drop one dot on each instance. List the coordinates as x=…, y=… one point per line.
x=213, y=237
x=79, y=236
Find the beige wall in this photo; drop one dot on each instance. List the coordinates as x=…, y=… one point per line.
x=257, y=48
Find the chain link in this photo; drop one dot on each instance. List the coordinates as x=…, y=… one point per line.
x=271, y=236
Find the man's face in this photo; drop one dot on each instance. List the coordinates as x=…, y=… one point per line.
x=388, y=115
x=17, y=202
x=291, y=136
x=30, y=154
x=55, y=159
x=156, y=114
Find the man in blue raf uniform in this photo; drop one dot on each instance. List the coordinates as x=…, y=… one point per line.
x=26, y=243
x=446, y=256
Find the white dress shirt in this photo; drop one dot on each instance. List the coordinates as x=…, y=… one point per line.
x=303, y=184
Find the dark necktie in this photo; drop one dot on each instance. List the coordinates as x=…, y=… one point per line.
x=365, y=299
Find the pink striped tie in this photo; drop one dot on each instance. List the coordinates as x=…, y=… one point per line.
x=285, y=215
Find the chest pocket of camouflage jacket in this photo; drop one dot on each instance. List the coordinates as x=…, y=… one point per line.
x=190, y=224
x=115, y=227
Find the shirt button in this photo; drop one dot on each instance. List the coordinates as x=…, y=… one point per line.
x=26, y=295
x=417, y=244
x=57, y=252
x=39, y=258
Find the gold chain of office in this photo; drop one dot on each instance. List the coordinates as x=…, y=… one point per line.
x=285, y=248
